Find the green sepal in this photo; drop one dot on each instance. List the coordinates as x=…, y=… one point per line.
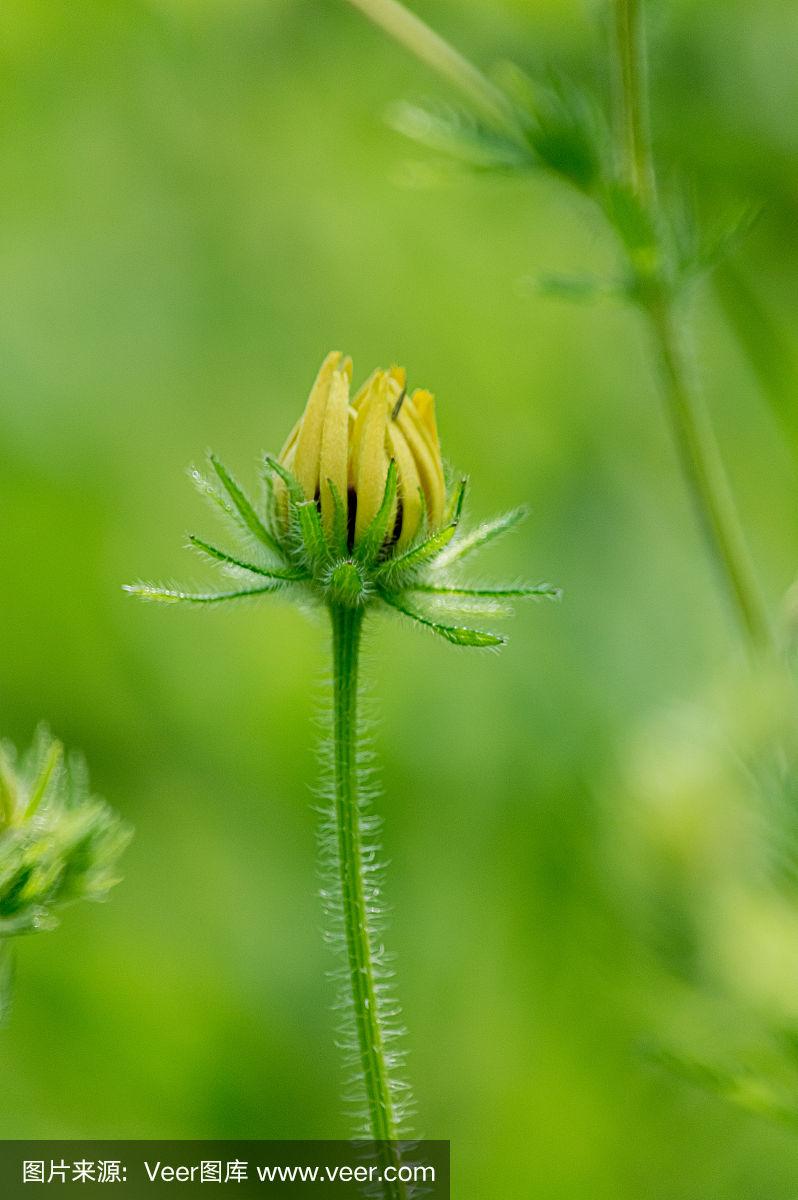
x=489, y=593
x=400, y=564
x=313, y=539
x=222, y=556
x=458, y=635
x=293, y=487
x=423, y=519
x=161, y=595
x=211, y=493
x=454, y=511
x=416, y=555
x=245, y=509
x=372, y=541
x=488, y=531
x=339, y=537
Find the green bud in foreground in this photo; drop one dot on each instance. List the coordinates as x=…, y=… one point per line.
x=357, y=513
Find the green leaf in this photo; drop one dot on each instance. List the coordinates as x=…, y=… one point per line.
x=372, y=541
x=751, y=1090
x=491, y=593
x=566, y=135
x=579, y=289
x=161, y=595
x=460, y=136
x=222, y=556
x=458, y=635
x=244, y=508
x=488, y=531
x=561, y=123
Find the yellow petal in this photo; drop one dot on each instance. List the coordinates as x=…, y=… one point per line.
x=334, y=445
x=290, y=442
x=427, y=462
x=399, y=375
x=360, y=407
x=409, y=485
x=424, y=404
x=308, y=446
x=372, y=459
x=363, y=390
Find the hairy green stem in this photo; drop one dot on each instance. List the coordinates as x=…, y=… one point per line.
x=346, y=627
x=695, y=439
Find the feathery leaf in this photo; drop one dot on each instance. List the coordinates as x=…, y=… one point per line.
x=488, y=531
x=244, y=508
x=222, y=556
x=491, y=593
x=162, y=595
x=459, y=635
x=416, y=555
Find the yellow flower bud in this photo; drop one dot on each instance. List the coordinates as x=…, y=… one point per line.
x=351, y=442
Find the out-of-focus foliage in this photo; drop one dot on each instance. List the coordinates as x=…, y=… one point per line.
x=58, y=843
x=197, y=201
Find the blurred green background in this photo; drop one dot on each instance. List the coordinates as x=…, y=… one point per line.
x=198, y=200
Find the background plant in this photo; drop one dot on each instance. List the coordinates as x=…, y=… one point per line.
x=530, y=125
x=58, y=843
x=182, y=226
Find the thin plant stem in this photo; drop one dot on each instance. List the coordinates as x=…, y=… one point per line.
x=633, y=144
x=428, y=46
x=694, y=436
x=693, y=433
x=365, y=1001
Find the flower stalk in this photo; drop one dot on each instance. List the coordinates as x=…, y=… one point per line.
x=364, y=999
x=358, y=515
